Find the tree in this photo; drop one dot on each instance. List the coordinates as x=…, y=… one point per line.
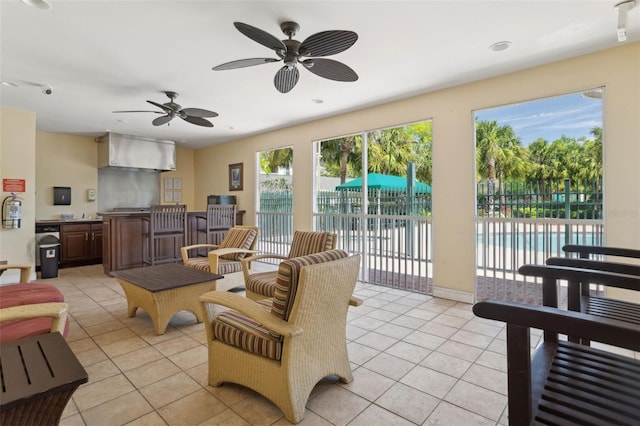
x=540, y=156
x=498, y=150
x=338, y=153
x=593, y=156
x=389, y=151
x=421, y=134
x=274, y=159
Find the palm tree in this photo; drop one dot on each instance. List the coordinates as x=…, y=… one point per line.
x=339, y=153
x=593, y=153
x=496, y=147
x=389, y=151
x=421, y=134
x=540, y=159
x=277, y=158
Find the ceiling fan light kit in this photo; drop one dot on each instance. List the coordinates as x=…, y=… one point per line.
x=292, y=52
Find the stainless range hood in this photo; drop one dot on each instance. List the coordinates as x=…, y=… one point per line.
x=134, y=152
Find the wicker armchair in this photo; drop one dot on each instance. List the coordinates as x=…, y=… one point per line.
x=30, y=309
x=282, y=347
x=224, y=258
x=25, y=270
x=261, y=285
x=21, y=314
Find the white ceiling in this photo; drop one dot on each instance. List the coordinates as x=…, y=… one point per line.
x=102, y=56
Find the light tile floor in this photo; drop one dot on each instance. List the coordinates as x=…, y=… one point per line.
x=416, y=360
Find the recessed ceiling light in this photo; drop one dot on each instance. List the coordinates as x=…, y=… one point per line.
x=317, y=101
x=500, y=46
x=8, y=84
x=39, y=4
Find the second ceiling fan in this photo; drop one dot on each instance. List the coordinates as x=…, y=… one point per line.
x=293, y=52
x=172, y=110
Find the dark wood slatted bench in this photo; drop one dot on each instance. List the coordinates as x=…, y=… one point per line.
x=579, y=296
x=579, y=274
x=567, y=383
x=584, y=301
x=585, y=251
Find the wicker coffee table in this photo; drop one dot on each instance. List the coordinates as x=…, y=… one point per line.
x=164, y=290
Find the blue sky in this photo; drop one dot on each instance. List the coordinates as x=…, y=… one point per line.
x=571, y=115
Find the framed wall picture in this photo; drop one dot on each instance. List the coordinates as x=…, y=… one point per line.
x=235, y=177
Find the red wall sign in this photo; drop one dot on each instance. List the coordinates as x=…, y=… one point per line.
x=14, y=185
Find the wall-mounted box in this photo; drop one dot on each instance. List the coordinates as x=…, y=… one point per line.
x=61, y=196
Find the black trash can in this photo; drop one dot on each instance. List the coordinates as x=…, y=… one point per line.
x=49, y=248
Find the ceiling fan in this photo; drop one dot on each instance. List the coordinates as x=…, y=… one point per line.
x=293, y=52
x=172, y=110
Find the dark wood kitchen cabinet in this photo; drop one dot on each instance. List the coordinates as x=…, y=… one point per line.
x=81, y=243
x=122, y=244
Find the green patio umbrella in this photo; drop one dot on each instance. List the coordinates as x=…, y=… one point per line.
x=381, y=181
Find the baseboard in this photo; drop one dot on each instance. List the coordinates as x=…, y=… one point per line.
x=458, y=296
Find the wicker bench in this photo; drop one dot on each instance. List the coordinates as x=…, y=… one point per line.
x=566, y=383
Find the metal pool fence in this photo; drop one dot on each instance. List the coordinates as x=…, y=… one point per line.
x=394, y=235
x=504, y=244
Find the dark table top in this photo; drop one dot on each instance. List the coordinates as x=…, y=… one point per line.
x=36, y=366
x=165, y=276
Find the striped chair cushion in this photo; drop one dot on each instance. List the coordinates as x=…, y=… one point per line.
x=201, y=263
x=309, y=242
x=288, y=276
x=235, y=329
x=228, y=266
x=224, y=266
x=262, y=283
x=238, y=238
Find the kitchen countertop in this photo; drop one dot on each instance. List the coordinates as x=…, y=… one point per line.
x=60, y=221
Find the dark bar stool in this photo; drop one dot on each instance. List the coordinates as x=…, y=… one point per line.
x=220, y=218
x=165, y=232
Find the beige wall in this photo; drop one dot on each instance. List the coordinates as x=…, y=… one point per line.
x=184, y=170
x=65, y=160
x=453, y=153
x=46, y=160
x=206, y=171
x=17, y=161
x=74, y=164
